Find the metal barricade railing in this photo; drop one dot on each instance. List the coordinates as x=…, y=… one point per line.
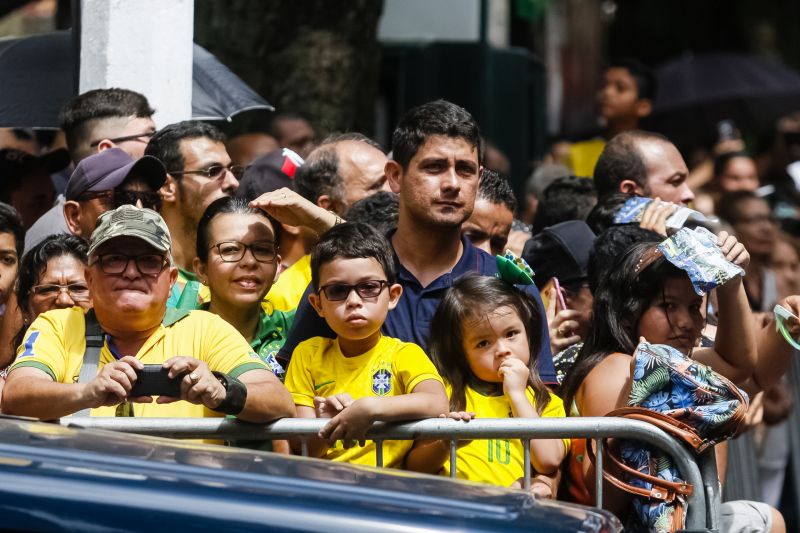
x=703, y=503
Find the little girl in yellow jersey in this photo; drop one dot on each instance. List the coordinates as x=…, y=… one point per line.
x=483, y=342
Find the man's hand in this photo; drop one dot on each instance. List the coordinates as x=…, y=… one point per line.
x=113, y=383
x=515, y=375
x=198, y=386
x=332, y=405
x=656, y=214
x=350, y=424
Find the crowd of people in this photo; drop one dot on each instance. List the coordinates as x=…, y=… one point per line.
x=275, y=275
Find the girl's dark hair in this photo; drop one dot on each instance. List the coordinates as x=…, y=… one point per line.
x=226, y=205
x=34, y=263
x=473, y=297
x=619, y=302
x=10, y=222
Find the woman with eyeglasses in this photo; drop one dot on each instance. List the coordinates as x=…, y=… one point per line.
x=237, y=258
x=51, y=276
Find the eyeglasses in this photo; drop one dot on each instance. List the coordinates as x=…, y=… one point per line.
x=117, y=197
x=233, y=251
x=117, y=140
x=213, y=172
x=147, y=264
x=79, y=292
x=336, y=292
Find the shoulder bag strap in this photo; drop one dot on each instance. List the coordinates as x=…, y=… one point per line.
x=674, y=427
x=91, y=358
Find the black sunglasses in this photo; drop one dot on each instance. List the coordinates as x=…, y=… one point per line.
x=118, y=197
x=337, y=292
x=117, y=140
x=213, y=172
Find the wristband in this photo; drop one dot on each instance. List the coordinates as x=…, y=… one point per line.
x=235, y=394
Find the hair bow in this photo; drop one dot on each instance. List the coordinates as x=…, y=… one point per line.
x=513, y=269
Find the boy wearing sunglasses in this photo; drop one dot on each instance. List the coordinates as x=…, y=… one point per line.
x=361, y=376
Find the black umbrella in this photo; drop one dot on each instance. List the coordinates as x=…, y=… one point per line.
x=36, y=79
x=696, y=92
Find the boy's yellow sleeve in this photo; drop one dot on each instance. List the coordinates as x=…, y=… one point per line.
x=412, y=367
x=298, y=377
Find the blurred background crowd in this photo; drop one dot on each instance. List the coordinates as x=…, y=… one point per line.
x=550, y=82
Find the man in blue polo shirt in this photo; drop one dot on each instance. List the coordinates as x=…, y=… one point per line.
x=435, y=170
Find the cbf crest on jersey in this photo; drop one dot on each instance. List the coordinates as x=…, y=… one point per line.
x=382, y=382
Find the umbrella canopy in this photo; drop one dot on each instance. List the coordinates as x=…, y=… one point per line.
x=696, y=92
x=36, y=80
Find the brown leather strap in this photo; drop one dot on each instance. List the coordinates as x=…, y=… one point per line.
x=661, y=489
x=674, y=427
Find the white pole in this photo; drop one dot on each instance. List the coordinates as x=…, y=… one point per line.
x=142, y=45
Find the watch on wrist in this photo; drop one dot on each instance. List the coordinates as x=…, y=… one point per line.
x=235, y=394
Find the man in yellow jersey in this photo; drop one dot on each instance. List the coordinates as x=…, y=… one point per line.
x=130, y=275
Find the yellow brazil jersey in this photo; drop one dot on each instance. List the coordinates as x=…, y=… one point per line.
x=391, y=368
x=286, y=293
x=583, y=157
x=496, y=461
x=56, y=342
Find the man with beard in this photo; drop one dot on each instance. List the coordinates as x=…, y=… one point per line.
x=199, y=171
x=435, y=171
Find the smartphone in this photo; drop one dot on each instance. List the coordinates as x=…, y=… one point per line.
x=560, y=303
x=154, y=380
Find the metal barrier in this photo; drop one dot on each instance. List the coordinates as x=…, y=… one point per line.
x=703, y=502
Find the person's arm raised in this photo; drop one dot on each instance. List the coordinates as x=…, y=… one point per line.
x=735, y=350
x=774, y=353
x=291, y=209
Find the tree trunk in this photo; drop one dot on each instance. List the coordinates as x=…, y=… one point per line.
x=317, y=57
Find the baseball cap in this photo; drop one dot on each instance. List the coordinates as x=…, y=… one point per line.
x=560, y=251
x=106, y=170
x=17, y=163
x=268, y=173
x=131, y=221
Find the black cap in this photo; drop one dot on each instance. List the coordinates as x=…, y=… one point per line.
x=16, y=163
x=560, y=251
x=106, y=170
x=268, y=173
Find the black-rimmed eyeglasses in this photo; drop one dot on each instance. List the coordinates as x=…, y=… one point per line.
x=233, y=251
x=146, y=264
x=336, y=292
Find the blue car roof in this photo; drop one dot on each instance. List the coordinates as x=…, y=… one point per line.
x=71, y=479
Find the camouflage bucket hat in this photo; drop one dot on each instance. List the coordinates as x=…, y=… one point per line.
x=131, y=221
